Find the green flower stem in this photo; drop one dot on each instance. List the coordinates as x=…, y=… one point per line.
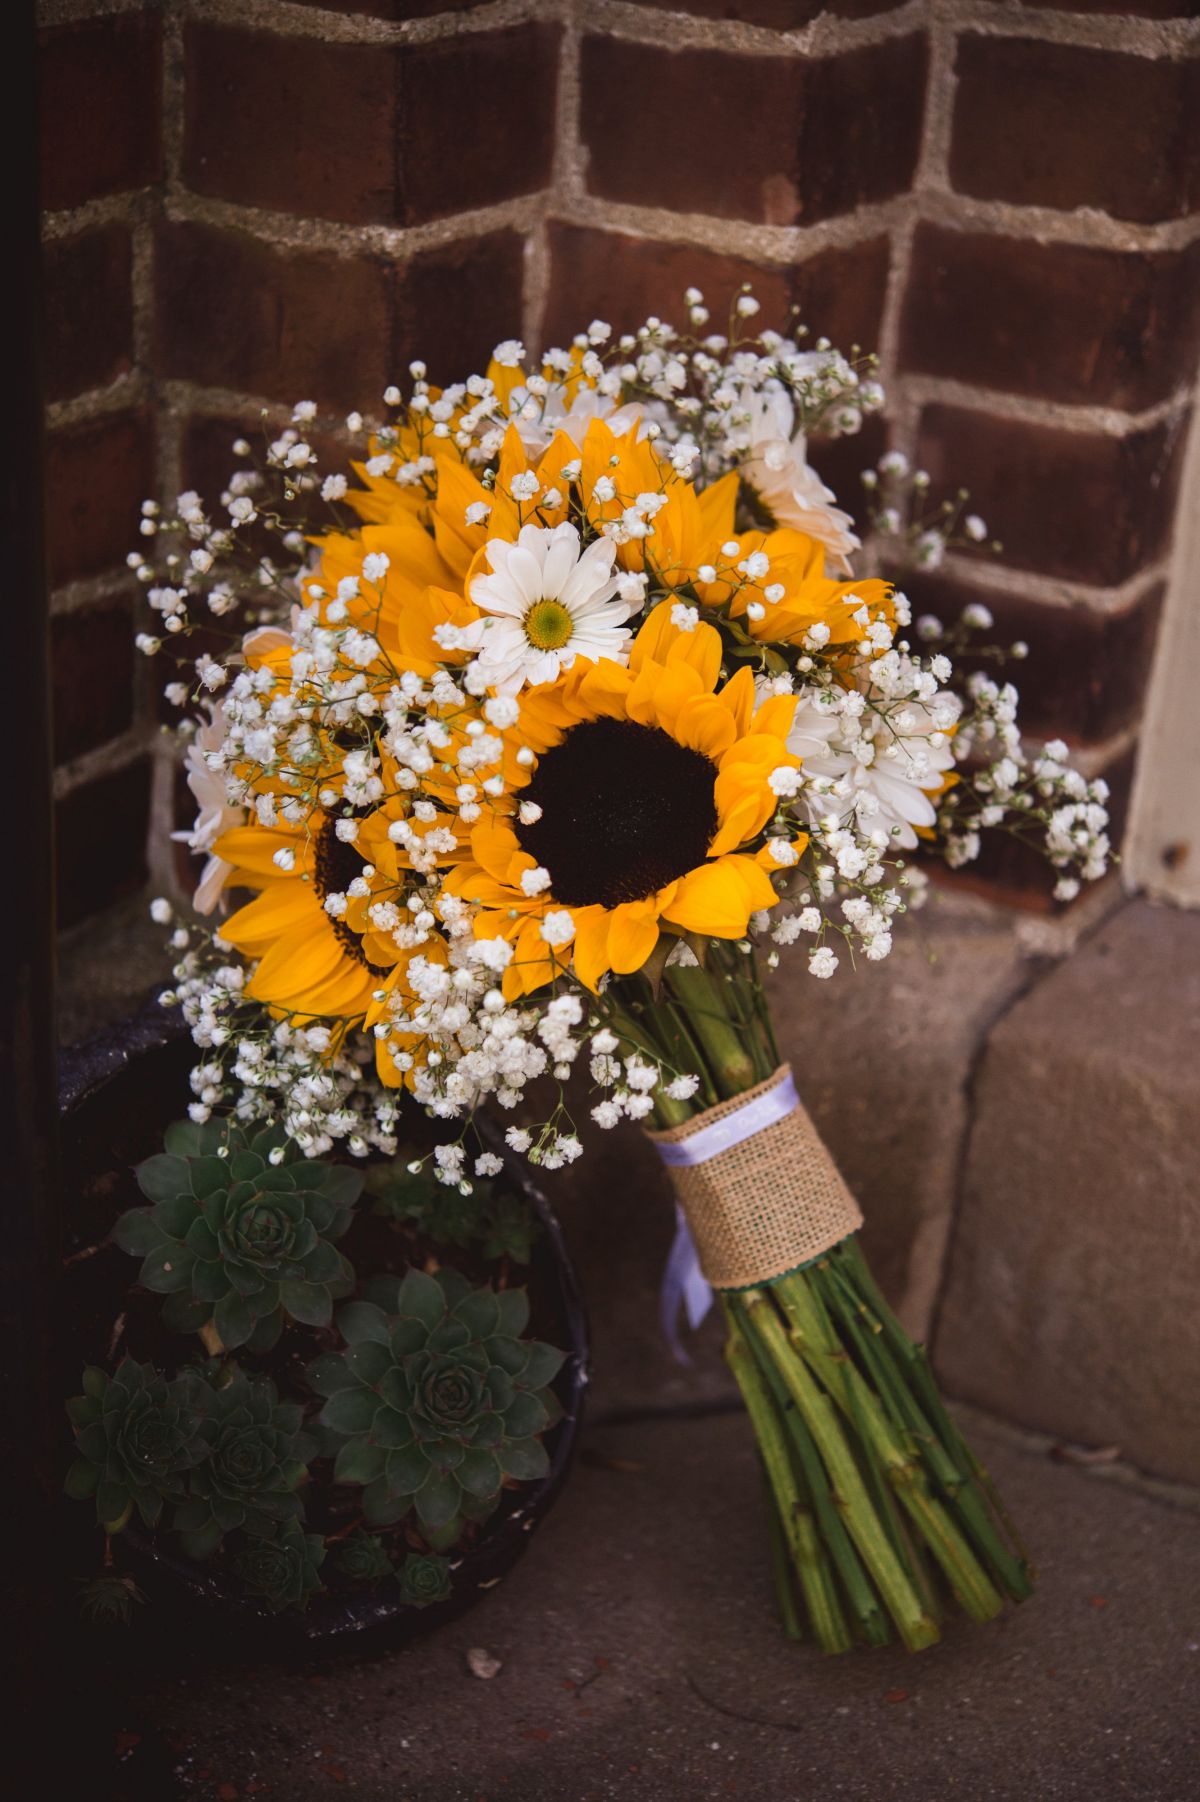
x=737, y=977
x=861, y=1598
x=796, y=1523
x=731, y=1062
x=693, y=1056
x=915, y=1360
x=781, y=1569
x=850, y=1493
x=955, y=1471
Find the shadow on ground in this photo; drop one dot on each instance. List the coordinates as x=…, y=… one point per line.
x=640, y=1659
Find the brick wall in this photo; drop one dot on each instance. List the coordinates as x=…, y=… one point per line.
x=254, y=201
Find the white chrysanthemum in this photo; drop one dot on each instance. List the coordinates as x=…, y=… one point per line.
x=215, y=815
x=884, y=766
x=544, y=604
x=777, y=468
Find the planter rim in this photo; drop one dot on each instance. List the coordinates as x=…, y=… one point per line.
x=352, y=1619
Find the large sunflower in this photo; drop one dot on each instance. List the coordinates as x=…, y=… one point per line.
x=307, y=962
x=639, y=814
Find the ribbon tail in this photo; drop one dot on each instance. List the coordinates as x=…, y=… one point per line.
x=683, y=1285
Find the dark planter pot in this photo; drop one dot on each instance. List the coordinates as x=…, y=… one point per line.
x=117, y=1093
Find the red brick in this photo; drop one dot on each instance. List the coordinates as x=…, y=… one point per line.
x=233, y=312
x=456, y=303
x=813, y=138
x=1086, y=673
x=840, y=293
x=207, y=461
x=100, y=105
x=92, y=665
x=624, y=279
x=476, y=119
x=1057, y=126
x=88, y=318
x=293, y=124
x=840, y=462
x=392, y=9
x=1081, y=506
x=774, y=15
x=1057, y=320
x=97, y=476
x=1144, y=9
x=100, y=841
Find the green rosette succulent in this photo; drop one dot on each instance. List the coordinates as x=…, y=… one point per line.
x=109, y=1600
x=438, y=1399
x=137, y=1436
x=284, y=1569
x=492, y=1217
x=237, y=1239
x=363, y=1558
x=424, y=1580
x=257, y=1457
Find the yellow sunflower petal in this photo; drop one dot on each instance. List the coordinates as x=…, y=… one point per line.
x=251, y=850
x=704, y=725
x=717, y=899
x=279, y=910
x=660, y=641
x=738, y=696
x=632, y=934
x=591, y=945
x=775, y=716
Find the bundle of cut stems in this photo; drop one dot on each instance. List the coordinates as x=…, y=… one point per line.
x=879, y=1511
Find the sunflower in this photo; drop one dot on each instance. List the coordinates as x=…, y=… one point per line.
x=793, y=593
x=308, y=962
x=638, y=816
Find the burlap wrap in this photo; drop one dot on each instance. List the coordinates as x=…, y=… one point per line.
x=763, y=1207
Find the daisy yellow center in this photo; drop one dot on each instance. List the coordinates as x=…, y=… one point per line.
x=625, y=809
x=548, y=625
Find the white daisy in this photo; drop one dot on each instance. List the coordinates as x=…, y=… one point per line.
x=883, y=766
x=777, y=468
x=544, y=604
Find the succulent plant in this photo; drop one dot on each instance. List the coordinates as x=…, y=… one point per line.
x=136, y=1438
x=424, y=1579
x=257, y=1458
x=438, y=1399
x=363, y=1558
x=237, y=1238
x=497, y=1220
x=109, y=1599
x=282, y=1569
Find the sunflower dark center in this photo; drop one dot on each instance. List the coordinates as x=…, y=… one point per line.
x=625, y=810
x=335, y=866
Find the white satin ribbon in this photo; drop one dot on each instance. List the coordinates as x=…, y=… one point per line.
x=774, y=1104
x=683, y=1282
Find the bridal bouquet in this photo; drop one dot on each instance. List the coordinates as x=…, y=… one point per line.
x=520, y=750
